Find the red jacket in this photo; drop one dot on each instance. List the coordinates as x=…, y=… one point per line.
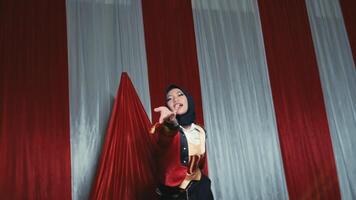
x=173, y=155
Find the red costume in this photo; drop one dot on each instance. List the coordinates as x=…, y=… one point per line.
x=174, y=162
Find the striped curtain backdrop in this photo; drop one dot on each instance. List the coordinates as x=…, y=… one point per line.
x=337, y=74
x=244, y=154
x=274, y=83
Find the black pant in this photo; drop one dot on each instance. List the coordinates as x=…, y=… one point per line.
x=196, y=190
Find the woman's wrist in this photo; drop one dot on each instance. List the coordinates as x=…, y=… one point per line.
x=172, y=125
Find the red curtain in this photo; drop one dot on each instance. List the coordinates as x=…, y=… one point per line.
x=301, y=117
x=126, y=168
x=171, y=50
x=34, y=110
x=348, y=8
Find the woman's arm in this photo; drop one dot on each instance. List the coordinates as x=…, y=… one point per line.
x=166, y=127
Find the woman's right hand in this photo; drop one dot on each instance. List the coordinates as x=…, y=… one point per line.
x=166, y=115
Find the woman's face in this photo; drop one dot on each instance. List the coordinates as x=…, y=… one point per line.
x=177, y=101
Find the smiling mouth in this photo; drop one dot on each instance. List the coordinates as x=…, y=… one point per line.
x=177, y=106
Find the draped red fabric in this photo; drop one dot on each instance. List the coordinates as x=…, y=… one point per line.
x=304, y=136
x=126, y=168
x=171, y=51
x=34, y=109
x=348, y=8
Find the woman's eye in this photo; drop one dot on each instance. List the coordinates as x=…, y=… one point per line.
x=168, y=99
x=180, y=94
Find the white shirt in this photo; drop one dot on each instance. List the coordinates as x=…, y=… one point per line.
x=192, y=134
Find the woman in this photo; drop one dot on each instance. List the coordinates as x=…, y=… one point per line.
x=182, y=149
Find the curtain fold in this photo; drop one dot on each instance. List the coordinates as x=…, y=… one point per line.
x=34, y=113
x=127, y=166
x=304, y=134
x=244, y=156
x=338, y=78
x=105, y=38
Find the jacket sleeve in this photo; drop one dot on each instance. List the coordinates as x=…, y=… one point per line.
x=166, y=133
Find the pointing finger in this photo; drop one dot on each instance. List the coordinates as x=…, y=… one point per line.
x=158, y=109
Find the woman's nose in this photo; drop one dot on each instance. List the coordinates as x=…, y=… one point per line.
x=174, y=99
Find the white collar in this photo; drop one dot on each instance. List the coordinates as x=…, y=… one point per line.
x=192, y=127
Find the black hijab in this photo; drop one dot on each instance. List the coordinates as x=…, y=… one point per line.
x=188, y=117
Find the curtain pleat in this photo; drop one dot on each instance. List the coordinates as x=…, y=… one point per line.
x=244, y=159
x=34, y=113
x=338, y=78
x=127, y=166
x=105, y=38
x=304, y=134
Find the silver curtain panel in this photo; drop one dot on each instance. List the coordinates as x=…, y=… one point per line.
x=338, y=78
x=243, y=147
x=104, y=39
